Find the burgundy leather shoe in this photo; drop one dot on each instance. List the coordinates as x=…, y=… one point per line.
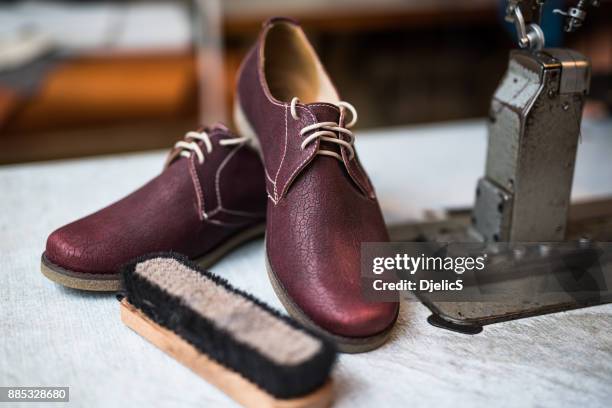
x=321, y=204
x=209, y=198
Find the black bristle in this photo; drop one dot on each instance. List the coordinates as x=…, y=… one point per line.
x=278, y=380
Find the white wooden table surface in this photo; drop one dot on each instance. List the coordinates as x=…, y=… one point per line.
x=54, y=336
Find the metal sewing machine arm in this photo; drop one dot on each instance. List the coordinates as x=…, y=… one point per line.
x=527, y=17
x=534, y=127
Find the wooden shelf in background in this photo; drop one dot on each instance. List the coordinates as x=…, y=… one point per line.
x=103, y=104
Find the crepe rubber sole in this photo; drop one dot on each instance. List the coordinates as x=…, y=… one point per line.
x=111, y=282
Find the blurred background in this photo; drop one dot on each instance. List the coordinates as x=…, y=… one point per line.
x=96, y=77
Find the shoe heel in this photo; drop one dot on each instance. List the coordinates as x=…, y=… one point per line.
x=244, y=128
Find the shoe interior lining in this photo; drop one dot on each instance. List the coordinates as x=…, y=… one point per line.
x=293, y=69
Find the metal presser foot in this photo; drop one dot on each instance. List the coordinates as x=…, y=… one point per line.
x=524, y=195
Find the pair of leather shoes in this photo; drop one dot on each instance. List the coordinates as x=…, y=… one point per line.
x=213, y=193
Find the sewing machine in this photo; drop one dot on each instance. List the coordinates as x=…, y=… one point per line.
x=524, y=196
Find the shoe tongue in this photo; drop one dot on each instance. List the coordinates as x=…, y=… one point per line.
x=325, y=112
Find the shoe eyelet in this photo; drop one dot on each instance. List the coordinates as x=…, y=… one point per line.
x=292, y=108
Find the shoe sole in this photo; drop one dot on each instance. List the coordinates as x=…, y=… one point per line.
x=111, y=282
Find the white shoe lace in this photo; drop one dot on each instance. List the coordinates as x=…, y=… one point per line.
x=189, y=146
x=328, y=131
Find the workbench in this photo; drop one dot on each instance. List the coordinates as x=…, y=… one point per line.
x=53, y=336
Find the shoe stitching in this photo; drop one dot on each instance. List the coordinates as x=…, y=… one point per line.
x=256, y=55
x=275, y=182
x=284, y=153
x=195, y=179
x=356, y=172
x=196, y=183
x=327, y=105
x=306, y=160
x=247, y=214
x=264, y=88
x=362, y=178
x=218, y=173
x=214, y=212
x=329, y=131
x=220, y=207
x=259, y=74
x=268, y=177
x=225, y=224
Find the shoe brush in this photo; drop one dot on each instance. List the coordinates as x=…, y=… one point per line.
x=255, y=355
